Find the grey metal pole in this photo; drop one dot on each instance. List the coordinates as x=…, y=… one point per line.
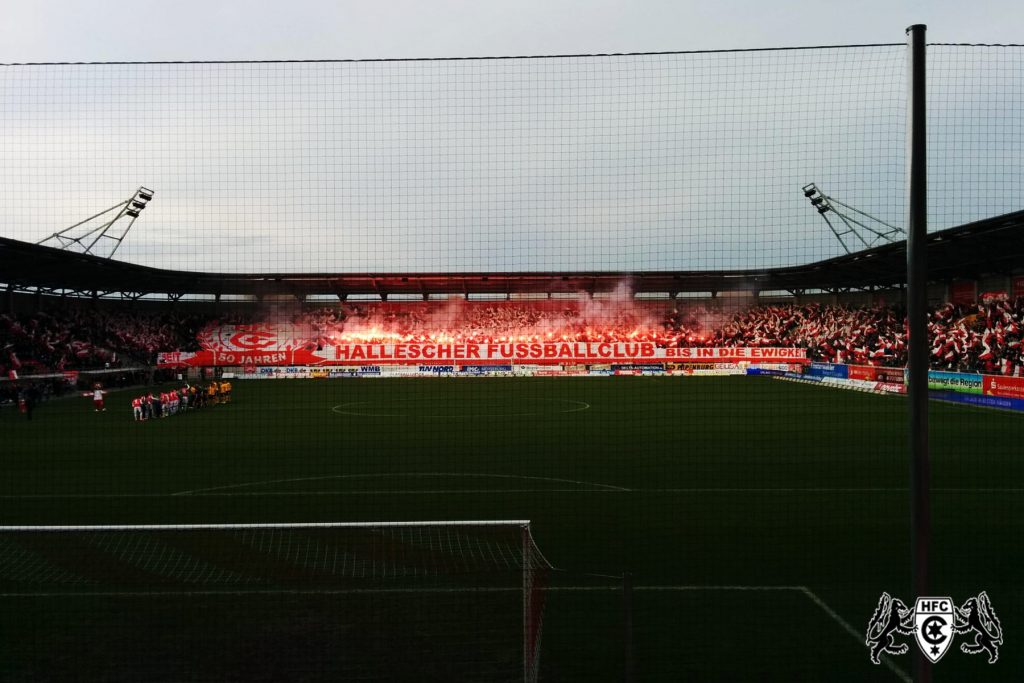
x=917, y=322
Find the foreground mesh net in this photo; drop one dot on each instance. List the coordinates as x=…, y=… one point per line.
x=373, y=290
x=462, y=600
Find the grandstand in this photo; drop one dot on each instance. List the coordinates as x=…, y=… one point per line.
x=845, y=309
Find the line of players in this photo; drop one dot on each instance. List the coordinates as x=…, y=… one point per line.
x=174, y=401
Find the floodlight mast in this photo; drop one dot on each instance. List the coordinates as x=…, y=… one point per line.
x=87, y=241
x=855, y=221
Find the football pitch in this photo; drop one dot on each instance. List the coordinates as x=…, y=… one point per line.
x=759, y=519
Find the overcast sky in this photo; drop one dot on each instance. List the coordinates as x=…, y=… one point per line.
x=57, y=30
x=627, y=163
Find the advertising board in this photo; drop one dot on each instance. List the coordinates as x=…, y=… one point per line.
x=833, y=370
x=963, y=292
x=875, y=373
x=1005, y=387
x=1017, y=286
x=984, y=401
x=484, y=369
x=941, y=380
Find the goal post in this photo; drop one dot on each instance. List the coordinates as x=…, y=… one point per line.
x=470, y=593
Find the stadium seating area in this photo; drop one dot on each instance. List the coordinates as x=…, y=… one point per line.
x=86, y=339
x=969, y=338
x=981, y=337
x=527, y=321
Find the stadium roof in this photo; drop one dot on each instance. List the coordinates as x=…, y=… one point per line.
x=990, y=246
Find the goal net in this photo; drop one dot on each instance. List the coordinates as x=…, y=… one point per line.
x=449, y=600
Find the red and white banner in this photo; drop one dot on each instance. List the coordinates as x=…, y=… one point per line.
x=475, y=354
x=209, y=358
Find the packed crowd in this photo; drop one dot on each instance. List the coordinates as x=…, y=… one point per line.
x=967, y=338
x=494, y=322
x=835, y=334
x=985, y=338
x=86, y=338
x=979, y=337
x=170, y=402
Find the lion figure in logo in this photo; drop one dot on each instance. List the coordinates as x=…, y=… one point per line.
x=892, y=617
x=977, y=616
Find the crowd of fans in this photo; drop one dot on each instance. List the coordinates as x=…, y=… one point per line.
x=83, y=339
x=834, y=334
x=966, y=338
x=979, y=337
x=485, y=322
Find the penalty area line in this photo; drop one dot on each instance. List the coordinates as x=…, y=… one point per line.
x=402, y=475
x=859, y=637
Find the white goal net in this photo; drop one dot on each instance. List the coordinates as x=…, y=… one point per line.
x=446, y=600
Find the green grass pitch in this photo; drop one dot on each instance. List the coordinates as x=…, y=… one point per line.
x=760, y=519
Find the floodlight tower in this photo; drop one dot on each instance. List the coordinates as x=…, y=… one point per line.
x=871, y=232
x=88, y=238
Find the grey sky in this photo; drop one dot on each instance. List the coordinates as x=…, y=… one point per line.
x=612, y=163
x=53, y=30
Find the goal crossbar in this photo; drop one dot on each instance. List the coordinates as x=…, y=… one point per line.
x=266, y=525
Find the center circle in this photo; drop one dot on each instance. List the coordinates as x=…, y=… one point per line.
x=460, y=408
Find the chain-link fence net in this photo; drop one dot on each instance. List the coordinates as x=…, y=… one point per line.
x=652, y=303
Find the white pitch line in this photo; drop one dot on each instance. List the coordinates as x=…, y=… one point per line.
x=859, y=637
x=447, y=492
x=408, y=475
x=252, y=494
x=357, y=591
x=580, y=407
x=828, y=489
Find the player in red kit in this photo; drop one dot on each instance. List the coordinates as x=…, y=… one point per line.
x=137, y=408
x=97, y=399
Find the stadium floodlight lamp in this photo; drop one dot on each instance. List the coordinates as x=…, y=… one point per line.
x=138, y=202
x=851, y=223
x=85, y=235
x=142, y=196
